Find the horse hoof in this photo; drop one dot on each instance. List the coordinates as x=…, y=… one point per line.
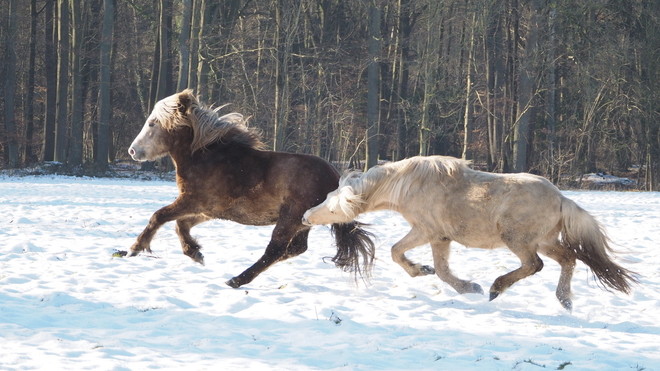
x=426, y=269
x=199, y=258
x=493, y=295
x=133, y=253
x=119, y=254
x=567, y=304
x=476, y=288
x=233, y=283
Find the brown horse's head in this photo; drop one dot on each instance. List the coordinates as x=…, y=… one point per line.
x=183, y=114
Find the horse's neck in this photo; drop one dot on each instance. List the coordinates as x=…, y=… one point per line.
x=378, y=198
x=180, y=151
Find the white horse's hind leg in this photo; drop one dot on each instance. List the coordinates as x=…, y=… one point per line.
x=531, y=263
x=413, y=239
x=566, y=259
x=441, y=262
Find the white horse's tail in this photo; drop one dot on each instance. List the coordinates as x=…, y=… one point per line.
x=586, y=236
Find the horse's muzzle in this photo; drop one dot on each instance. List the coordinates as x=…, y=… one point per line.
x=305, y=221
x=136, y=155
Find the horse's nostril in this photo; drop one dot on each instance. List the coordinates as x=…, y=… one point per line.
x=131, y=151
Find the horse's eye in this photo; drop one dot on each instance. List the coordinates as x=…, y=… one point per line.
x=152, y=124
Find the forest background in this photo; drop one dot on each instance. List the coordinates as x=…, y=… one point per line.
x=555, y=87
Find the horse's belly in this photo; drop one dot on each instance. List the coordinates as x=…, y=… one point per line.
x=246, y=218
x=484, y=241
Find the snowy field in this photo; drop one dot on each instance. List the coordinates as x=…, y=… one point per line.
x=66, y=303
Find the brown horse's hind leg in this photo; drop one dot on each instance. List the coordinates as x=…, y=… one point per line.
x=566, y=259
x=441, y=262
x=413, y=239
x=531, y=263
x=298, y=245
x=287, y=228
x=189, y=245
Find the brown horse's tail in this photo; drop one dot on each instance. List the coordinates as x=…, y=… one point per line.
x=584, y=235
x=353, y=243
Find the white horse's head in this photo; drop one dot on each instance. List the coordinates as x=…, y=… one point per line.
x=341, y=206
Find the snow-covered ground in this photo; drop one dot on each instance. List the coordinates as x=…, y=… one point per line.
x=66, y=303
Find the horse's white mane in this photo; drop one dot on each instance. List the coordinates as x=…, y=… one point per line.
x=394, y=180
x=184, y=109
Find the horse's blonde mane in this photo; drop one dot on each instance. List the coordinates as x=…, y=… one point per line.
x=392, y=181
x=184, y=109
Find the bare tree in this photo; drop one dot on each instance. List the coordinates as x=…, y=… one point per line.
x=373, y=87
x=61, y=116
x=11, y=148
x=50, y=69
x=29, y=156
x=527, y=90
x=184, y=45
x=165, y=83
x=76, y=137
x=103, y=146
x=469, y=101
x=430, y=66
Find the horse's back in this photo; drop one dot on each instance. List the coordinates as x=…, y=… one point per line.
x=475, y=208
x=262, y=181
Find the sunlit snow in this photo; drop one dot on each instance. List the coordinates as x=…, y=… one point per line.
x=66, y=303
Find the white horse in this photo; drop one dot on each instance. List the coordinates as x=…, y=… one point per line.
x=444, y=200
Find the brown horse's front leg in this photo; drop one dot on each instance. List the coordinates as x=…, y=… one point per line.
x=160, y=217
x=189, y=245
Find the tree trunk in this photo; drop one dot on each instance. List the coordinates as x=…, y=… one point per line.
x=373, y=85
x=61, y=116
x=194, y=43
x=467, y=119
x=29, y=156
x=552, y=92
x=527, y=91
x=165, y=40
x=287, y=16
x=11, y=149
x=405, y=26
x=103, y=146
x=184, y=46
x=50, y=68
x=430, y=63
x=495, y=84
x=208, y=9
x=75, y=141
x=153, y=82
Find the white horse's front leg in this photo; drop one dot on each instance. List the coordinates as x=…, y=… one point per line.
x=413, y=239
x=441, y=262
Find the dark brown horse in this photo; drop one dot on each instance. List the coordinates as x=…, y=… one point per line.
x=223, y=172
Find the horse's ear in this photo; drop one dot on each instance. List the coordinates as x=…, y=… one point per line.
x=185, y=100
